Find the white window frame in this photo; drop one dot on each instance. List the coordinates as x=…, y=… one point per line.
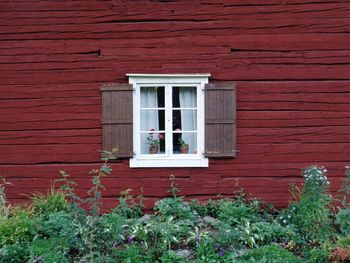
x=168, y=159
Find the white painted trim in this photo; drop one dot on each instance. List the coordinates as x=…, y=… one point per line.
x=138, y=75
x=168, y=159
x=139, y=163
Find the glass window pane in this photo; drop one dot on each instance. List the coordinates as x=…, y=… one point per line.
x=185, y=120
x=184, y=97
x=152, y=97
x=184, y=143
x=152, y=119
x=152, y=143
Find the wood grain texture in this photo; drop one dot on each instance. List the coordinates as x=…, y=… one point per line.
x=290, y=61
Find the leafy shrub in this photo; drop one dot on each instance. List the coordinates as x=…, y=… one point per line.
x=127, y=207
x=318, y=254
x=170, y=257
x=343, y=220
x=311, y=214
x=343, y=241
x=57, y=229
x=132, y=253
x=49, y=250
x=270, y=254
x=238, y=211
x=175, y=207
x=211, y=251
x=56, y=223
x=53, y=201
x=14, y=253
x=198, y=208
x=17, y=229
x=263, y=233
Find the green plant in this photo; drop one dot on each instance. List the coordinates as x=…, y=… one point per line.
x=173, y=189
x=170, y=256
x=175, y=207
x=311, y=214
x=237, y=211
x=132, y=253
x=182, y=143
x=343, y=220
x=4, y=207
x=14, y=253
x=153, y=138
x=210, y=250
x=263, y=233
x=270, y=254
x=95, y=191
x=127, y=207
x=53, y=201
x=49, y=250
x=343, y=241
x=17, y=229
x=68, y=188
x=345, y=188
x=319, y=254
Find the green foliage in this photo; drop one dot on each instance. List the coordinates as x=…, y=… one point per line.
x=343, y=220
x=20, y=228
x=175, y=207
x=49, y=250
x=345, y=188
x=270, y=254
x=53, y=201
x=312, y=213
x=127, y=207
x=57, y=229
x=4, y=207
x=237, y=211
x=130, y=254
x=318, y=254
x=199, y=208
x=343, y=241
x=263, y=233
x=210, y=250
x=171, y=257
x=14, y=253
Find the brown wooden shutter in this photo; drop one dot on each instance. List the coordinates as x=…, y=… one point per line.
x=117, y=118
x=220, y=120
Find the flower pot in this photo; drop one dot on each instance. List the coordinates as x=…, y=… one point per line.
x=153, y=149
x=184, y=149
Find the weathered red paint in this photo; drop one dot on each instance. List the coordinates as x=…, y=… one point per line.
x=290, y=60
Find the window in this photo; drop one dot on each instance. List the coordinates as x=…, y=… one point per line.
x=153, y=118
x=168, y=120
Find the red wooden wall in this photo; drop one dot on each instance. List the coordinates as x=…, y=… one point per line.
x=289, y=58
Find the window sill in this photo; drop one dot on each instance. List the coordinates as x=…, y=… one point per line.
x=159, y=162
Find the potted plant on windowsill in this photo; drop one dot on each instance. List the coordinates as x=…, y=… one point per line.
x=183, y=146
x=153, y=141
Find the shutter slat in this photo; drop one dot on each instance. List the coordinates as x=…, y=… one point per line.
x=117, y=118
x=220, y=120
x=103, y=122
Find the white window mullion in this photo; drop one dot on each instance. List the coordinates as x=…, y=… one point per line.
x=169, y=120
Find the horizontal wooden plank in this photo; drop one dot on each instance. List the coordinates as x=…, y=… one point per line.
x=179, y=13
x=295, y=134
x=46, y=137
